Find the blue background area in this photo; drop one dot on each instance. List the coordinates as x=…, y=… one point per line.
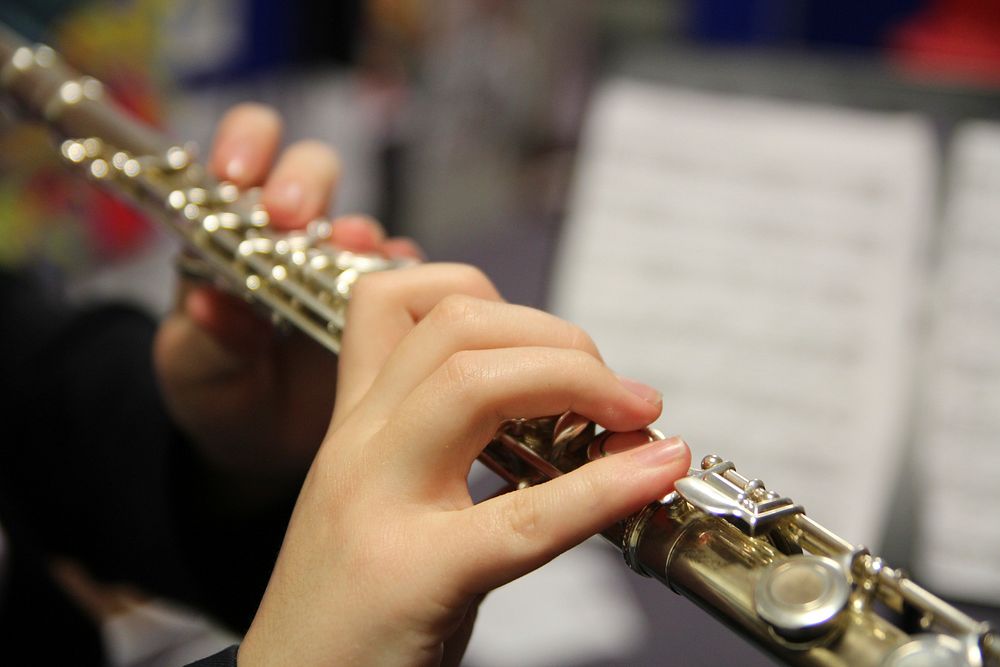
x=822, y=23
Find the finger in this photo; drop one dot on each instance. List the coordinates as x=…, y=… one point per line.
x=300, y=187
x=191, y=347
x=459, y=322
x=227, y=319
x=357, y=233
x=510, y=535
x=403, y=248
x=362, y=233
x=448, y=418
x=384, y=307
x=245, y=144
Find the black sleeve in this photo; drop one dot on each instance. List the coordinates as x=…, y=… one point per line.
x=91, y=466
x=34, y=610
x=226, y=658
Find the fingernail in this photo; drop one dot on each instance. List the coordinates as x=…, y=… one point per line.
x=287, y=197
x=237, y=165
x=236, y=169
x=616, y=443
x=660, y=452
x=643, y=391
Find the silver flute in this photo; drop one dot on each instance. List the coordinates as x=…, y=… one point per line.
x=747, y=555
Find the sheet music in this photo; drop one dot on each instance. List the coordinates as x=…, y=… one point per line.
x=577, y=610
x=759, y=262
x=959, y=434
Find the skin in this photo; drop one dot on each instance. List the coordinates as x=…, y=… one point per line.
x=258, y=402
x=386, y=557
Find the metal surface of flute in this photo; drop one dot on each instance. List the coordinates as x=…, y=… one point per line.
x=747, y=555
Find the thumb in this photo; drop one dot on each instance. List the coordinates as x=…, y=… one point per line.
x=211, y=335
x=227, y=319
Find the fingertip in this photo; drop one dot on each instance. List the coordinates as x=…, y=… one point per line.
x=357, y=233
x=400, y=247
x=245, y=142
x=302, y=184
x=622, y=410
x=670, y=452
x=284, y=202
x=642, y=390
x=526, y=528
x=637, y=406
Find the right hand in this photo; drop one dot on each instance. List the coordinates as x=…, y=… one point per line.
x=386, y=556
x=256, y=404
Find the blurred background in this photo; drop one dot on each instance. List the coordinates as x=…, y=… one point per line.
x=459, y=121
x=465, y=124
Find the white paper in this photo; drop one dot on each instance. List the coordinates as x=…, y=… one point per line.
x=159, y=633
x=759, y=263
x=959, y=430
x=578, y=609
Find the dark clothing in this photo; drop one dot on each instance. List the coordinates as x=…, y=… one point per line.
x=225, y=658
x=92, y=468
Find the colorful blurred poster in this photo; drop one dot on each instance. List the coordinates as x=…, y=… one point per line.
x=46, y=214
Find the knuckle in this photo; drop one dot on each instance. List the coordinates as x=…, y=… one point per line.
x=587, y=489
x=579, y=362
x=455, y=312
x=461, y=372
x=471, y=278
x=362, y=289
x=522, y=517
x=581, y=340
x=371, y=287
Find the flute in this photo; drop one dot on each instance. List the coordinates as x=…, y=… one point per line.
x=746, y=554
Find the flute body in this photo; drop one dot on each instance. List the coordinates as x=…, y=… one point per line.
x=747, y=555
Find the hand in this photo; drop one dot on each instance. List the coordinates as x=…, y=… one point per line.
x=386, y=557
x=258, y=403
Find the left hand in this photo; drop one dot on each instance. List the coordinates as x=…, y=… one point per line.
x=254, y=401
